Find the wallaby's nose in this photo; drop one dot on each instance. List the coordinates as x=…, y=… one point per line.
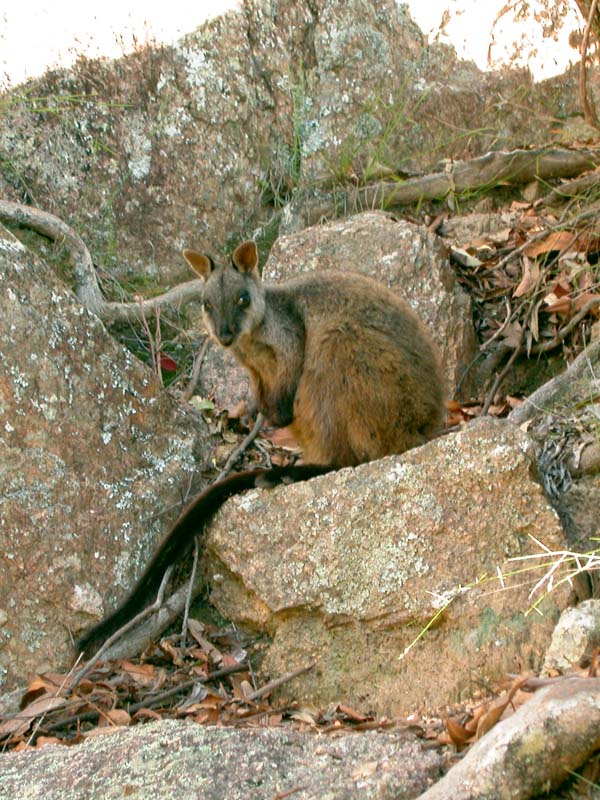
x=225, y=337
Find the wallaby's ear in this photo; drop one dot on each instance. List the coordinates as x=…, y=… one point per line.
x=245, y=257
x=202, y=265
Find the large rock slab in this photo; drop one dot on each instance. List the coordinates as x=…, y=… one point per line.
x=575, y=637
x=174, y=759
x=348, y=569
x=94, y=460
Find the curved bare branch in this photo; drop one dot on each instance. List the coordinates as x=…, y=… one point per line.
x=86, y=287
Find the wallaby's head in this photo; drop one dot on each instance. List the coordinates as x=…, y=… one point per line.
x=233, y=300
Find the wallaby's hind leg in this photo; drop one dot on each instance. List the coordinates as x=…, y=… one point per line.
x=358, y=402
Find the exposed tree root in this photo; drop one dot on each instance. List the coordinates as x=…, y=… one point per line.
x=86, y=286
x=535, y=749
x=478, y=174
x=561, y=386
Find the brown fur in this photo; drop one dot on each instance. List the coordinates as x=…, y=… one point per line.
x=337, y=356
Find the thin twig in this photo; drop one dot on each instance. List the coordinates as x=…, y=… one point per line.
x=198, y=361
x=586, y=101
x=192, y=580
x=149, y=337
x=502, y=327
x=544, y=347
x=546, y=397
x=148, y=702
x=289, y=793
x=158, y=346
x=570, y=190
x=492, y=393
x=156, y=605
x=241, y=448
x=160, y=698
x=274, y=684
x=581, y=217
x=509, y=257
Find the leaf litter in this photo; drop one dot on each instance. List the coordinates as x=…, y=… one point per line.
x=208, y=680
x=534, y=278
x=535, y=288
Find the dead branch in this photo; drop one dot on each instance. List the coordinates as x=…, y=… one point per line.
x=499, y=378
x=155, y=606
x=560, y=386
x=148, y=702
x=241, y=448
x=190, y=592
x=86, y=282
x=141, y=634
x=584, y=7
x=545, y=347
x=486, y=172
x=198, y=361
x=277, y=682
x=153, y=343
x=86, y=287
x=570, y=189
x=538, y=747
x=587, y=103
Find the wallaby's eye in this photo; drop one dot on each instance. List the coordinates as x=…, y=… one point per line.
x=244, y=300
x=207, y=306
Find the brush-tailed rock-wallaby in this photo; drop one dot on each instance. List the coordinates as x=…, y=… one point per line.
x=335, y=355
x=338, y=357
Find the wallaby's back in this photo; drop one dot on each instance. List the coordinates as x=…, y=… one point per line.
x=337, y=356
x=371, y=384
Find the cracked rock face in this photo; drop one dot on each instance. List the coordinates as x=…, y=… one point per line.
x=92, y=450
x=348, y=569
x=175, y=759
x=199, y=143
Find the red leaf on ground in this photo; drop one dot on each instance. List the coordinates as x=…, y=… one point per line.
x=167, y=363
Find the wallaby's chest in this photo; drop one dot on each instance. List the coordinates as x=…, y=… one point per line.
x=258, y=354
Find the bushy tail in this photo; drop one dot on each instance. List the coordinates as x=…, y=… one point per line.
x=180, y=539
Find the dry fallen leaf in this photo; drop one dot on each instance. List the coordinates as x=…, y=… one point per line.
x=309, y=716
x=46, y=683
x=42, y=741
x=557, y=305
x=583, y=299
x=555, y=241
x=142, y=674
x=117, y=716
x=146, y=713
x=356, y=716
x=512, y=334
x=198, y=631
x=22, y=721
x=531, y=275
x=500, y=236
x=459, y=735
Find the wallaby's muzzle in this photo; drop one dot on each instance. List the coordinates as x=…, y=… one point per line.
x=225, y=337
